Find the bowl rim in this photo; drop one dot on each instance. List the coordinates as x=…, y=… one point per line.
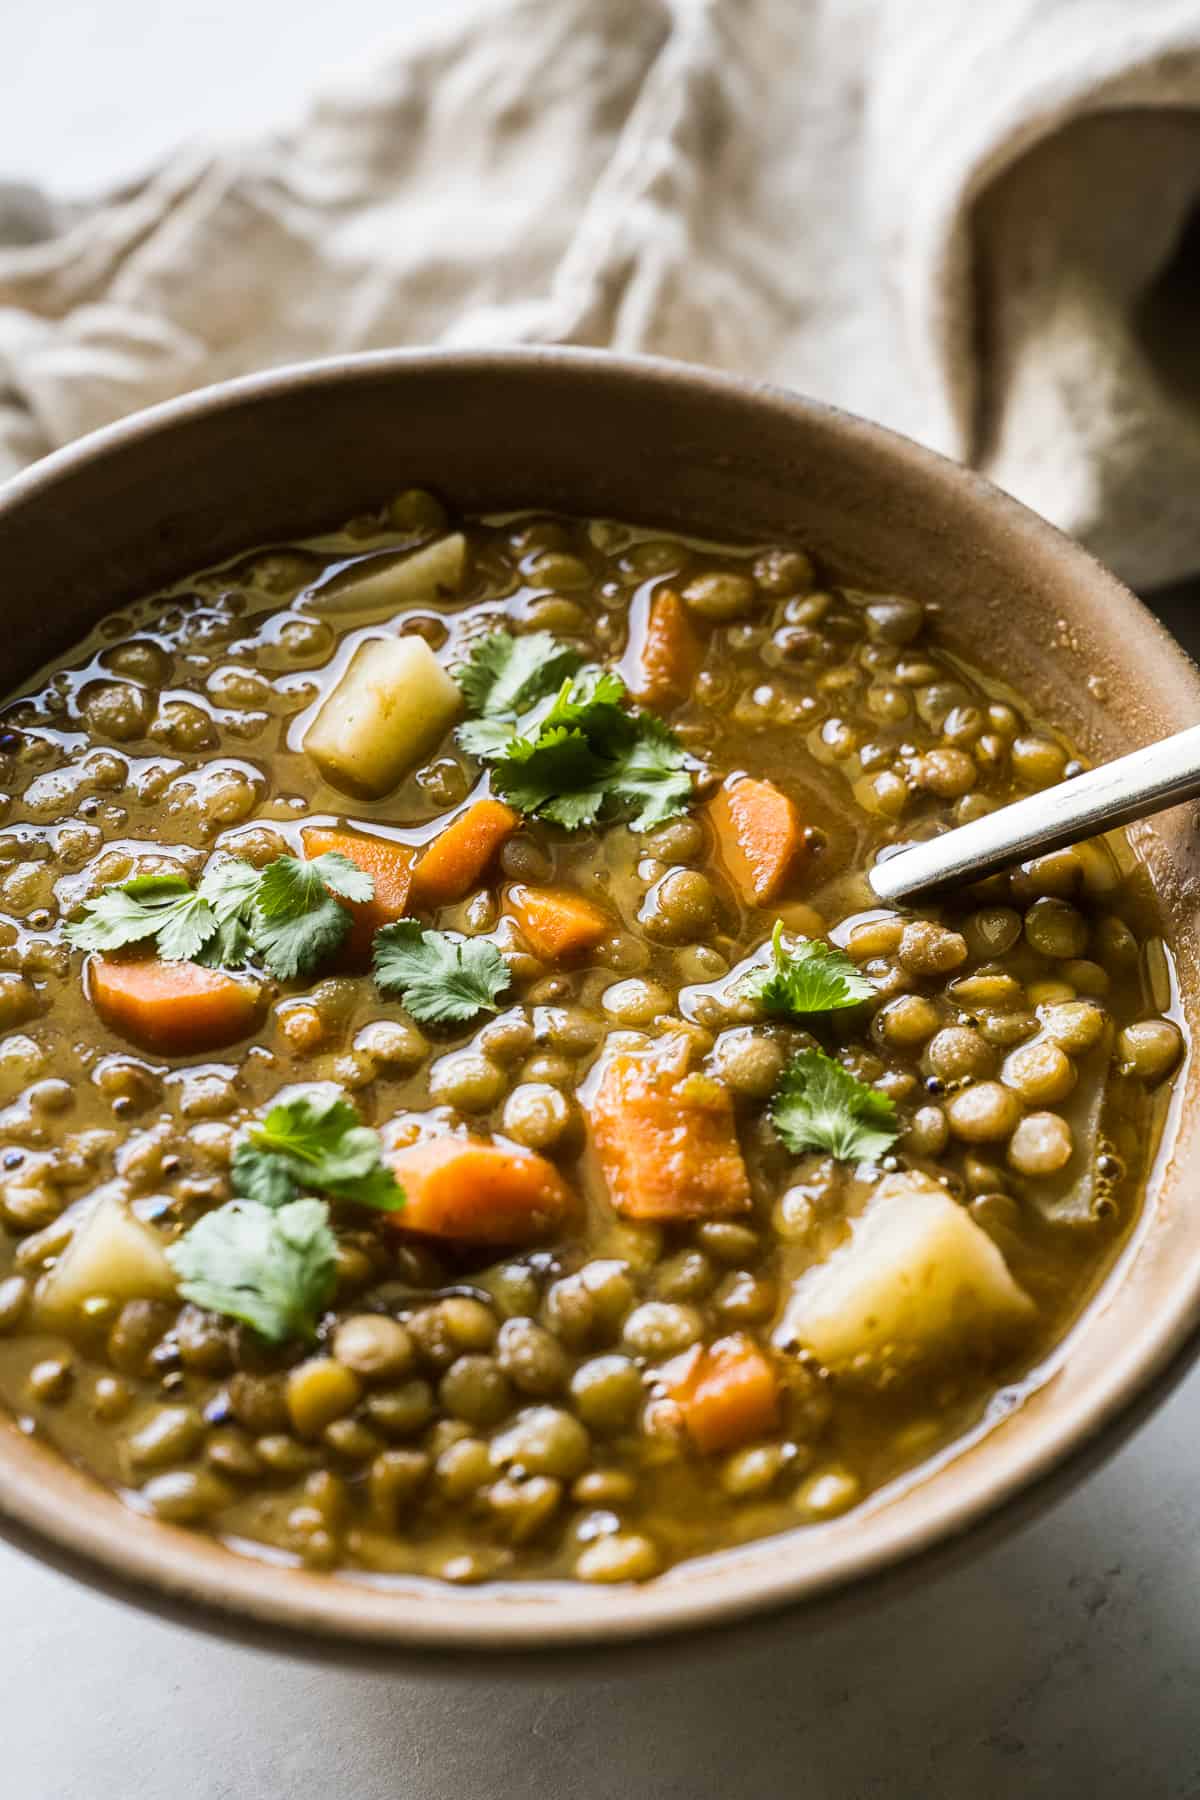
x=47, y=1505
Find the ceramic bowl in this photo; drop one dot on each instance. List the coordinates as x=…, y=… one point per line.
x=295, y=450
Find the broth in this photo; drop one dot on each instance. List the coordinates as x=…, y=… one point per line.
x=700, y=1333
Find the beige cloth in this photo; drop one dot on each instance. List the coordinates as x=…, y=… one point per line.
x=970, y=221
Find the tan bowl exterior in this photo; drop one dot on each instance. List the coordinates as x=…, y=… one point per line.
x=186, y=483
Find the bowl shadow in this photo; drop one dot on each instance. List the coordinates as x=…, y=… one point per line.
x=1055, y=1663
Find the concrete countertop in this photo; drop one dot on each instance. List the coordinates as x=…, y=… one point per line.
x=1058, y=1664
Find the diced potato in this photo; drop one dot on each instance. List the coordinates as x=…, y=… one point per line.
x=391, y=706
x=918, y=1283
x=413, y=581
x=112, y=1253
x=1069, y=1198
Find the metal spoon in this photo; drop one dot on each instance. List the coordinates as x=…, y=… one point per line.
x=1132, y=787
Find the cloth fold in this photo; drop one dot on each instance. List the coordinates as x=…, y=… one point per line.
x=978, y=225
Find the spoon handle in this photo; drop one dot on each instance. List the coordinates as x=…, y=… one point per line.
x=1132, y=787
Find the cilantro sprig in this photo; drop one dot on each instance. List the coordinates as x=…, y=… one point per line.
x=563, y=740
x=268, y=1257
x=819, y=1105
x=286, y=916
x=271, y=1267
x=314, y=1139
x=505, y=675
x=438, y=977
x=811, y=977
x=295, y=921
x=165, y=907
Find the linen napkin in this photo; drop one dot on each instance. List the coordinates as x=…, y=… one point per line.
x=978, y=224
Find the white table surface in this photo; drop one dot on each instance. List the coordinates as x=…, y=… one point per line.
x=1060, y=1664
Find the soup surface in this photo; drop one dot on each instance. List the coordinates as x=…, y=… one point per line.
x=463, y=1111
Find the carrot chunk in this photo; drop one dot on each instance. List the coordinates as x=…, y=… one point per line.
x=390, y=867
x=478, y=1193
x=557, y=922
x=175, y=1007
x=670, y=655
x=458, y=856
x=760, y=837
x=727, y=1392
x=665, y=1139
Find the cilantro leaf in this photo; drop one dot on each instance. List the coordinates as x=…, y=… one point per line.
x=486, y=739
x=286, y=914
x=230, y=947
x=156, y=889
x=229, y=885
x=576, y=754
x=148, y=906
x=812, y=977
x=185, y=929
x=314, y=1139
x=258, y=1176
x=291, y=883
x=650, y=779
x=112, y=919
x=295, y=921
x=589, y=697
x=818, y=1105
x=504, y=675
x=273, y=1269
x=557, y=775
x=439, y=977
x=293, y=945
x=338, y=872
x=590, y=700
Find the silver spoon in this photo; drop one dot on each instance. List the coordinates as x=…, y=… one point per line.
x=1132, y=787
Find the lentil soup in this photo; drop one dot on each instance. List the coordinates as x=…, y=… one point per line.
x=464, y=1112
